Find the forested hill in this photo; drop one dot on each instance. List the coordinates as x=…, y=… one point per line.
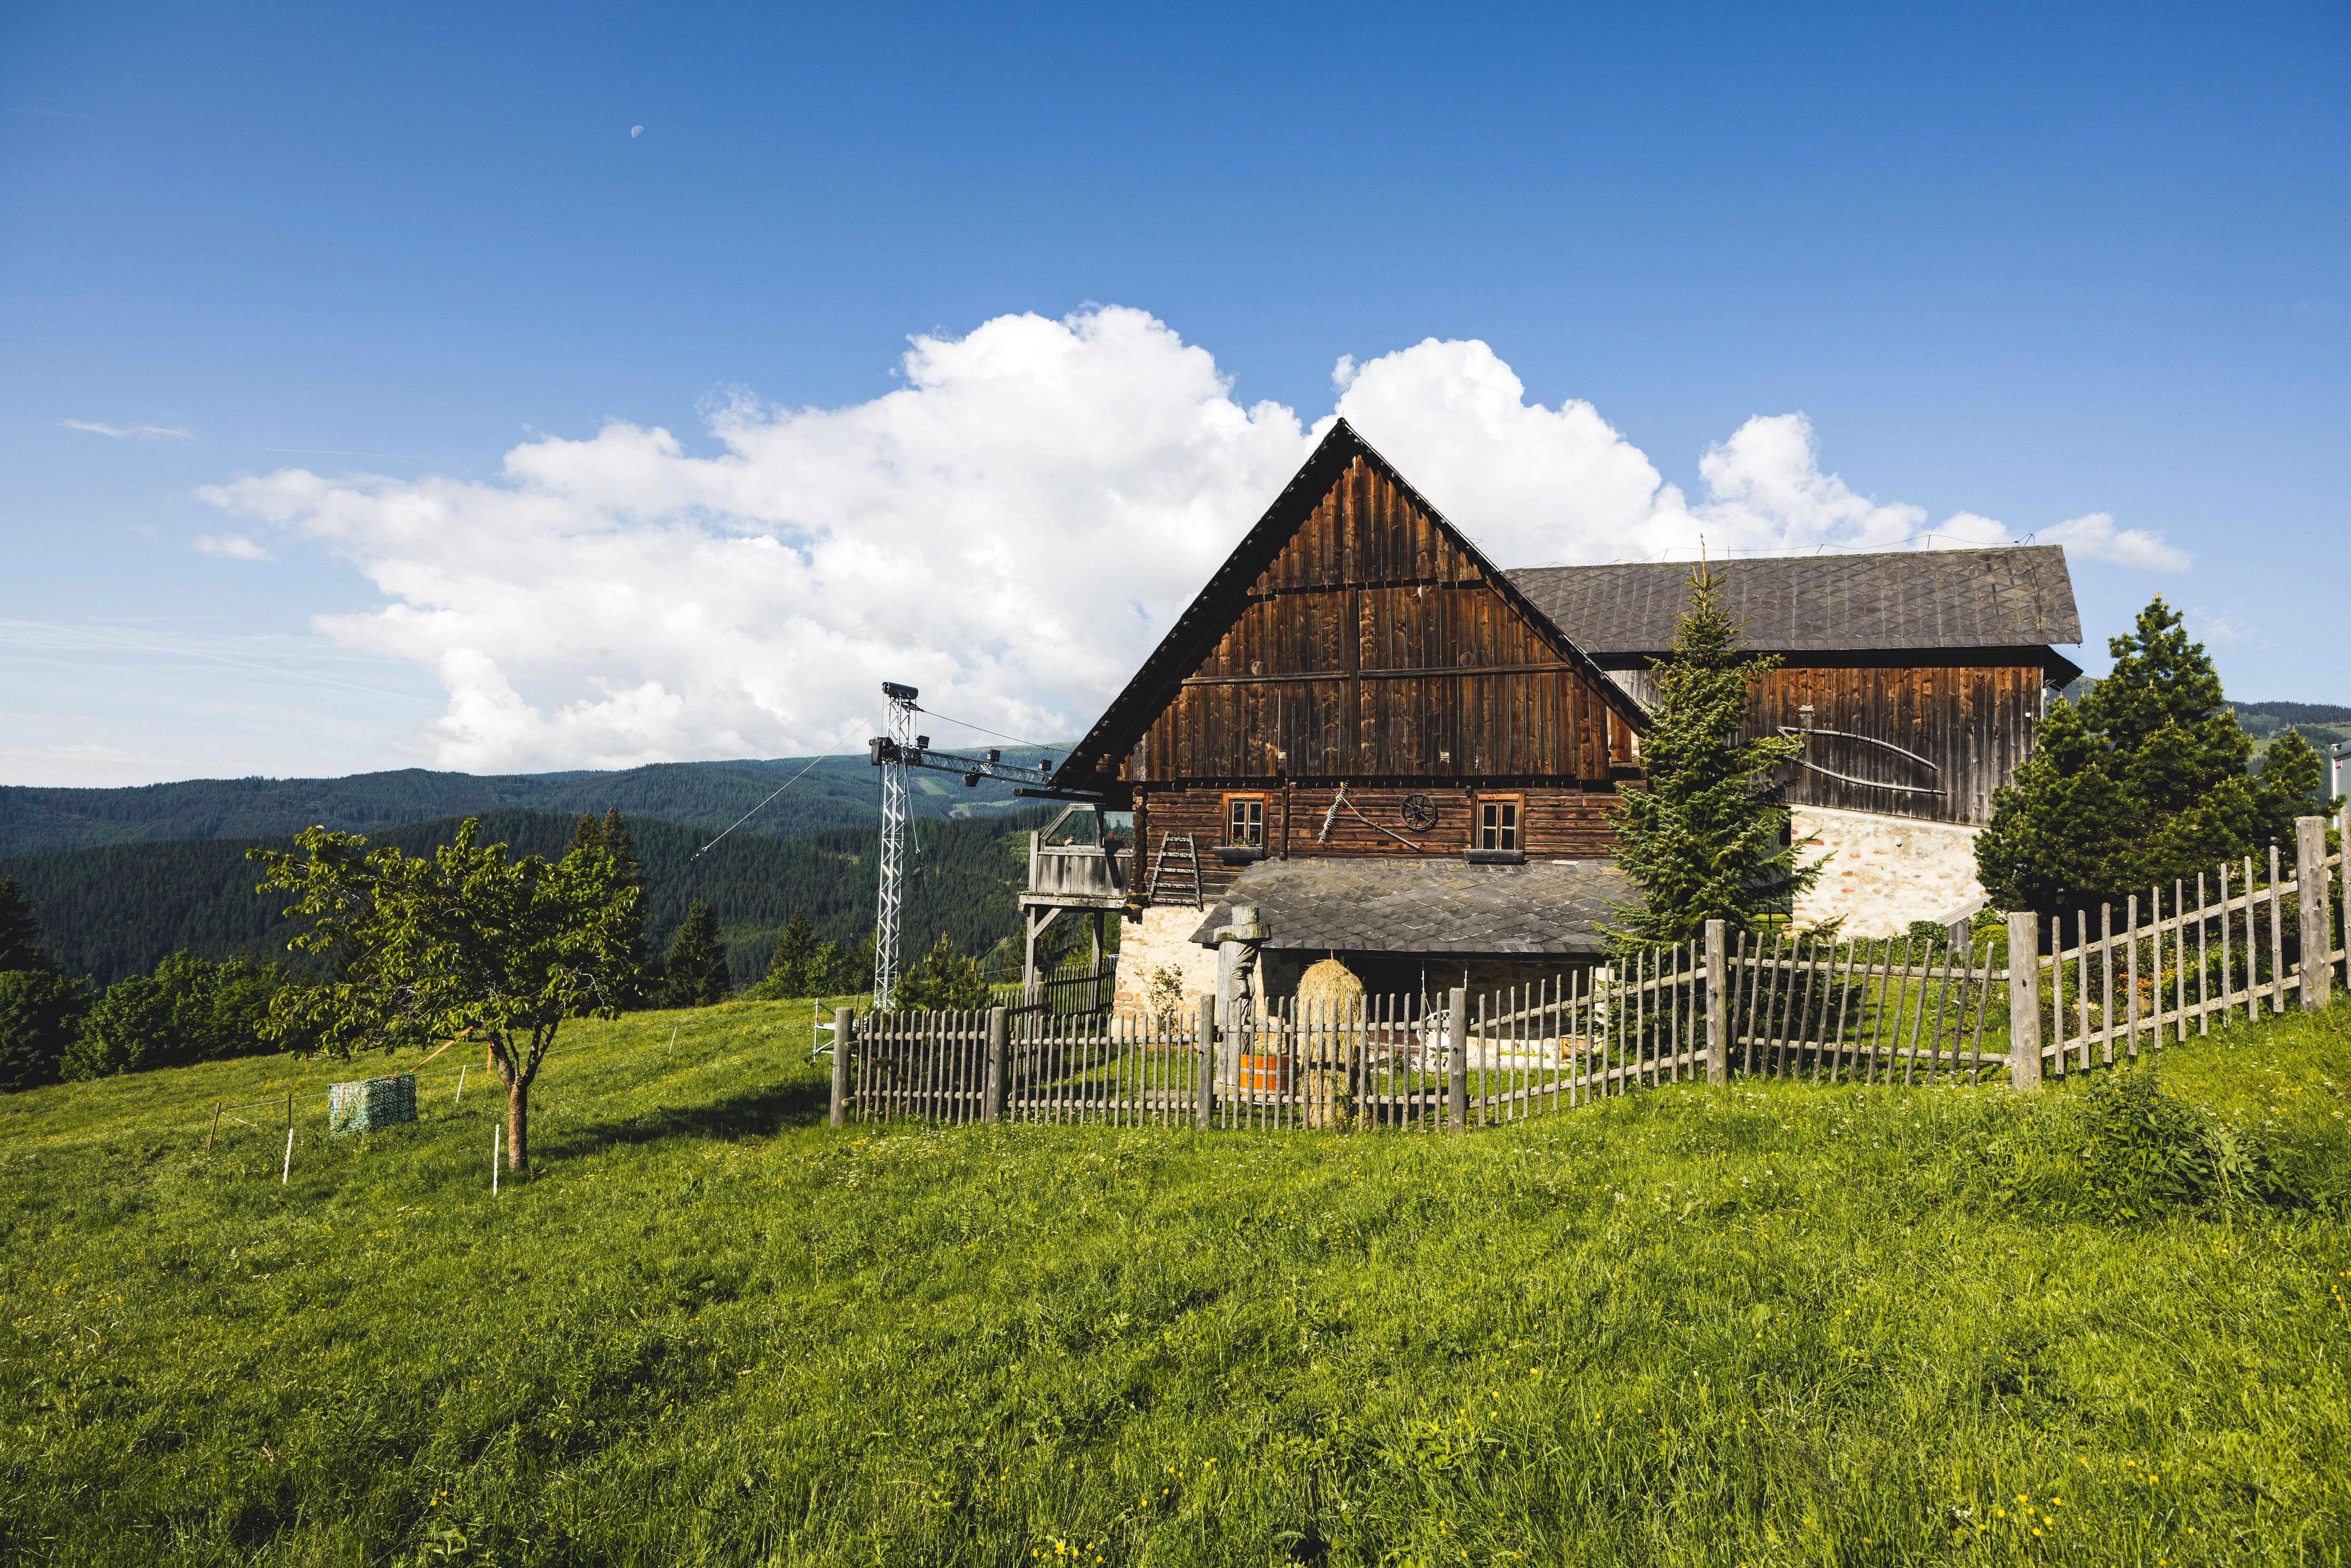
x=116, y=909
x=838, y=793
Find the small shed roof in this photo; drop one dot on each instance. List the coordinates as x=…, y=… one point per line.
x=1399, y=905
x=2017, y=596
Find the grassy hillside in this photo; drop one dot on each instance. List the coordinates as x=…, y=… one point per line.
x=2321, y=724
x=1775, y=1324
x=840, y=791
x=115, y=910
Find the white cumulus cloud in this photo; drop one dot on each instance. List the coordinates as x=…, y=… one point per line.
x=1540, y=485
x=1011, y=530
x=233, y=546
x=2095, y=538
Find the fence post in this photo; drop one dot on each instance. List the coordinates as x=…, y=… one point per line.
x=2317, y=927
x=1718, y=1005
x=1205, y=1112
x=844, y=1040
x=1457, y=1058
x=999, y=1040
x=2024, y=1000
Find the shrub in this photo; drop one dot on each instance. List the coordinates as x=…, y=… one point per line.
x=188, y=1010
x=2144, y=1151
x=2126, y=1150
x=38, y=1014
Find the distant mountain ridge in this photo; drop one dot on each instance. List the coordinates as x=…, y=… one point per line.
x=838, y=793
x=113, y=910
x=2298, y=713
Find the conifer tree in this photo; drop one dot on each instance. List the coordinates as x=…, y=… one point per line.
x=789, y=974
x=20, y=934
x=2059, y=826
x=1705, y=838
x=611, y=834
x=2143, y=785
x=945, y=980
x=696, y=974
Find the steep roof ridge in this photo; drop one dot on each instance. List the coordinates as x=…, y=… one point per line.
x=1186, y=640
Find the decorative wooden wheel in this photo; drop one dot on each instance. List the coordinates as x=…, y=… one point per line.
x=1419, y=812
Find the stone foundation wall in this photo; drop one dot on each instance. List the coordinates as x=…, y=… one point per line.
x=1161, y=937
x=1886, y=870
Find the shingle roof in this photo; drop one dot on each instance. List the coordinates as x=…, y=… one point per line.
x=2014, y=597
x=1360, y=906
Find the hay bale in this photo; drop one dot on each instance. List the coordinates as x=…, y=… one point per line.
x=1332, y=990
x=1329, y=1018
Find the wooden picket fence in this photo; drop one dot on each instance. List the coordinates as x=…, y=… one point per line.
x=1898, y=1010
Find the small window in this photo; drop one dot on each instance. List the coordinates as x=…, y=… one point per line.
x=1245, y=821
x=1497, y=824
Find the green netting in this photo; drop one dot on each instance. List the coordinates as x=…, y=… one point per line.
x=371, y=1103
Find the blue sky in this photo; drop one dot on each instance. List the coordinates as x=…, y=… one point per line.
x=2011, y=267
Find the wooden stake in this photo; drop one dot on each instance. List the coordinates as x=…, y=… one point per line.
x=215, y=1127
x=495, y=1130
x=2317, y=931
x=460, y=1099
x=2024, y=1001
x=285, y=1175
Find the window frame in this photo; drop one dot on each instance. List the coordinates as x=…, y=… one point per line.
x=1516, y=830
x=1242, y=798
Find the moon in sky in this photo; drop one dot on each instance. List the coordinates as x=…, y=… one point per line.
x=636, y=130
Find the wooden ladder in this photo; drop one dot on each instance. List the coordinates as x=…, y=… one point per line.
x=1178, y=861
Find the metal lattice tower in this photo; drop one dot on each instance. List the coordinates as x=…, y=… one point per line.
x=892, y=759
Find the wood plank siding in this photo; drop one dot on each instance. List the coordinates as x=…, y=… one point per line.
x=1554, y=822
x=1974, y=723
x=1373, y=644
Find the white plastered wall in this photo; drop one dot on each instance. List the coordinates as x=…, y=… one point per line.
x=1886, y=870
x=1163, y=936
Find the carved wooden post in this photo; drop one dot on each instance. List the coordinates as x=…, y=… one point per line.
x=2024, y=1000
x=999, y=1039
x=1457, y=1058
x=845, y=1036
x=1718, y=1005
x=2317, y=927
x=1204, y=1109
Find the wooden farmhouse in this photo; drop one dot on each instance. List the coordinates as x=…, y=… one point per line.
x=1407, y=757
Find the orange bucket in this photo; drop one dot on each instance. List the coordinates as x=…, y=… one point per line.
x=1265, y=1075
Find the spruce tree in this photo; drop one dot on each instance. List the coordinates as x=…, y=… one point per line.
x=20, y=934
x=2144, y=786
x=2059, y=827
x=943, y=981
x=611, y=834
x=1705, y=838
x=696, y=972
x=789, y=974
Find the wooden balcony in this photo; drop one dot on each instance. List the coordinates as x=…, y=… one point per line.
x=1073, y=876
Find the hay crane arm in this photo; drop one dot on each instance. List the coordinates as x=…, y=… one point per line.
x=894, y=754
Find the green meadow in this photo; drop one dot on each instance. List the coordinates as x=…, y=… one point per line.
x=1769, y=1323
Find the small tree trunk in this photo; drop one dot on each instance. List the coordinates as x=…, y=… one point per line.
x=518, y=1125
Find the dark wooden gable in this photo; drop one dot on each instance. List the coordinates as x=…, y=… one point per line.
x=1355, y=633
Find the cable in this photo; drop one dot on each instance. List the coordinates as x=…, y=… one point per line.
x=754, y=810
x=983, y=730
